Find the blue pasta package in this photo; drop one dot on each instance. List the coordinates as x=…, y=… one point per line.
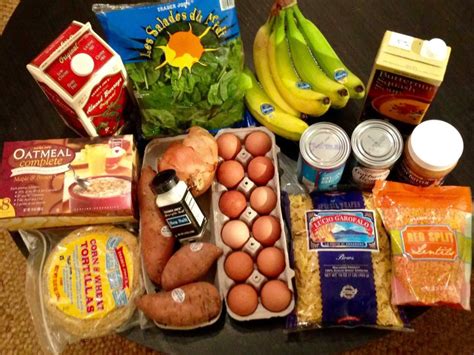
x=341, y=257
x=185, y=60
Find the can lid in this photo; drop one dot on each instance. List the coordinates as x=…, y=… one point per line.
x=164, y=181
x=325, y=145
x=435, y=145
x=376, y=144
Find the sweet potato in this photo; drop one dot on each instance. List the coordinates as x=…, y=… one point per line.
x=157, y=243
x=189, y=305
x=189, y=264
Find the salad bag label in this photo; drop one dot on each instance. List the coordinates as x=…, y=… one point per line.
x=184, y=58
x=85, y=79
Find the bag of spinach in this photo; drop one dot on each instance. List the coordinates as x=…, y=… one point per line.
x=185, y=60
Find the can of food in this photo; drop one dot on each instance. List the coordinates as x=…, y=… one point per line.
x=324, y=150
x=376, y=147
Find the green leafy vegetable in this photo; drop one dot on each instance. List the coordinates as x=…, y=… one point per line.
x=210, y=95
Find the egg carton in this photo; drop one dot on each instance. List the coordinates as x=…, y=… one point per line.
x=154, y=150
x=249, y=215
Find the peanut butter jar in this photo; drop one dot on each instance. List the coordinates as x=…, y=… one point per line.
x=431, y=153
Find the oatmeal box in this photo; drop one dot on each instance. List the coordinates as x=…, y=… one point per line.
x=65, y=182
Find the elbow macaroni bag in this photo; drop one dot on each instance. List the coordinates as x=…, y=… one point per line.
x=430, y=230
x=185, y=59
x=342, y=262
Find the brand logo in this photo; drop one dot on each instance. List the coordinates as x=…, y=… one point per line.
x=44, y=159
x=424, y=242
x=302, y=85
x=184, y=48
x=341, y=230
x=348, y=292
x=340, y=75
x=267, y=109
x=178, y=295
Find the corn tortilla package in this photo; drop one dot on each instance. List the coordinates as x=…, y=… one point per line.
x=341, y=258
x=185, y=61
x=430, y=230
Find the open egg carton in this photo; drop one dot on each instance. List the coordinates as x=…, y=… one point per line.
x=252, y=246
x=153, y=151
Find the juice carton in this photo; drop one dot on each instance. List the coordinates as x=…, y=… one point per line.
x=405, y=78
x=85, y=79
x=67, y=182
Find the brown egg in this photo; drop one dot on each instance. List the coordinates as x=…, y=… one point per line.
x=267, y=230
x=242, y=299
x=258, y=143
x=230, y=173
x=263, y=199
x=235, y=234
x=275, y=296
x=261, y=170
x=238, y=266
x=228, y=146
x=232, y=203
x=271, y=262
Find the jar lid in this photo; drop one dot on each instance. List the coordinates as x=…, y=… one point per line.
x=325, y=145
x=435, y=145
x=164, y=181
x=376, y=144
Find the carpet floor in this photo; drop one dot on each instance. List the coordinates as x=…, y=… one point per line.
x=437, y=331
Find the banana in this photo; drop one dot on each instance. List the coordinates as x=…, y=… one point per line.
x=260, y=59
x=307, y=101
x=308, y=69
x=268, y=114
x=282, y=68
x=327, y=58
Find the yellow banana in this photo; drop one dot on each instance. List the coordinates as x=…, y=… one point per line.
x=308, y=69
x=286, y=71
x=268, y=114
x=304, y=100
x=260, y=60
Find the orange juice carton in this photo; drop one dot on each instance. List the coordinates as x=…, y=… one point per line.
x=85, y=79
x=67, y=182
x=405, y=78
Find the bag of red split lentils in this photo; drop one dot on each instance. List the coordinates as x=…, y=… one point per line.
x=430, y=230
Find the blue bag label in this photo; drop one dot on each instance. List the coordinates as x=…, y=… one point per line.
x=345, y=270
x=348, y=288
x=342, y=229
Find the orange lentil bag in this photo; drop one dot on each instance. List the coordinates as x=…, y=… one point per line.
x=430, y=230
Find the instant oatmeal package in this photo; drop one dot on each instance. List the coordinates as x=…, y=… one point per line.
x=430, y=230
x=342, y=262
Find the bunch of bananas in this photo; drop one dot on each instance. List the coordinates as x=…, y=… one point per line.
x=299, y=73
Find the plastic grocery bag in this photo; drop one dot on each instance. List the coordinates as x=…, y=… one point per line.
x=185, y=60
x=430, y=230
x=341, y=257
x=81, y=283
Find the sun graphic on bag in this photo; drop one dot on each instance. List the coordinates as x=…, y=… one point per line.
x=184, y=49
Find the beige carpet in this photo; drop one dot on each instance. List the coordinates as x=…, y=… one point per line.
x=438, y=331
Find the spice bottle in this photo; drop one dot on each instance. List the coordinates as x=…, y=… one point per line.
x=181, y=211
x=376, y=147
x=431, y=153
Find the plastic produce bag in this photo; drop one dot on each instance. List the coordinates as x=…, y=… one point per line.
x=81, y=283
x=185, y=60
x=341, y=259
x=430, y=230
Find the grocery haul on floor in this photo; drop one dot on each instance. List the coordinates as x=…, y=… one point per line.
x=201, y=220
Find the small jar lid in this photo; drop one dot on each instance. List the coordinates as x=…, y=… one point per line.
x=325, y=145
x=435, y=145
x=376, y=144
x=164, y=181
x=82, y=64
